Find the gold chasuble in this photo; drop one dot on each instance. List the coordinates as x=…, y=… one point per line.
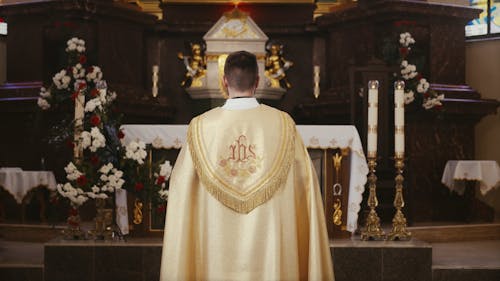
x=244, y=202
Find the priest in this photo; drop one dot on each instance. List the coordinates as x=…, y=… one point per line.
x=244, y=200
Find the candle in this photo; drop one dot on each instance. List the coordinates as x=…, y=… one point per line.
x=372, y=118
x=316, y=81
x=156, y=68
x=399, y=118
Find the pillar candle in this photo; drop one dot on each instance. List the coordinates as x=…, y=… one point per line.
x=316, y=81
x=372, y=118
x=155, y=80
x=399, y=118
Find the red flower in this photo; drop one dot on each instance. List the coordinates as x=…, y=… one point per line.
x=90, y=69
x=426, y=95
x=1, y=19
x=403, y=51
x=438, y=107
x=69, y=143
x=73, y=212
x=94, y=159
x=81, y=180
x=139, y=186
x=82, y=85
x=94, y=92
x=121, y=135
x=95, y=120
x=419, y=76
x=74, y=96
x=161, y=209
x=160, y=180
x=404, y=23
x=83, y=59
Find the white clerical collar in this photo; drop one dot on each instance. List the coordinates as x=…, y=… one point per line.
x=240, y=103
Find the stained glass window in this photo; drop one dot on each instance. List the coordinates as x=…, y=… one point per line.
x=488, y=21
x=494, y=16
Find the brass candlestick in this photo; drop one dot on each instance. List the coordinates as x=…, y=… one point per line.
x=399, y=231
x=372, y=230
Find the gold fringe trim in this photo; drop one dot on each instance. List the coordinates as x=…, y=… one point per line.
x=266, y=190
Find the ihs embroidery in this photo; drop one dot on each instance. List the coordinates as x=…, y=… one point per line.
x=241, y=160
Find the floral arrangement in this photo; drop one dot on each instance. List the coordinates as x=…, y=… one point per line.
x=415, y=84
x=105, y=164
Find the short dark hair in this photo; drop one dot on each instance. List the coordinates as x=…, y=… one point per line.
x=241, y=70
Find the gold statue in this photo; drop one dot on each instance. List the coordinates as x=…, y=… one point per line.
x=196, y=66
x=276, y=66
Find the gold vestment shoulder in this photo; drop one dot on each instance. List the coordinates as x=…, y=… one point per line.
x=243, y=189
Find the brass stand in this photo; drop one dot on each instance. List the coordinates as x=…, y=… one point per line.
x=372, y=230
x=399, y=231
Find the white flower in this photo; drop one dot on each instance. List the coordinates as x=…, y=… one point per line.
x=75, y=44
x=106, y=168
x=166, y=169
x=61, y=80
x=44, y=93
x=96, y=74
x=43, y=103
x=92, y=104
x=93, y=140
x=163, y=194
x=136, y=151
x=95, y=189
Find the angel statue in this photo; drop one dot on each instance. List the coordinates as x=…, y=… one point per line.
x=276, y=66
x=196, y=65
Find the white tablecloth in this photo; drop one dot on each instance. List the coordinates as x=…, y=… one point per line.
x=19, y=183
x=486, y=172
x=323, y=137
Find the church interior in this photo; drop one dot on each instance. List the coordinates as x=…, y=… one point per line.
x=396, y=100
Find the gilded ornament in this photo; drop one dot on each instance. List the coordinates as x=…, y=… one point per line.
x=196, y=66
x=138, y=211
x=276, y=66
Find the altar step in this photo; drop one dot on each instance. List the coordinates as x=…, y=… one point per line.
x=29, y=232
x=139, y=259
x=454, y=233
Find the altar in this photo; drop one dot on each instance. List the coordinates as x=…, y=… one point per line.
x=325, y=144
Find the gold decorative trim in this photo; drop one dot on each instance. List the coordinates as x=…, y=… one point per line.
x=399, y=105
x=215, y=56
x=262, y=191
x=399, y=129
x=373, y=104
x=372, y=129
x=234, y=2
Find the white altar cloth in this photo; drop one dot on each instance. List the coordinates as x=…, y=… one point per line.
x=18, y=182
x=321, y=136
x=486, y=172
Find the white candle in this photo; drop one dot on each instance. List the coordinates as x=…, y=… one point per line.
x=399, y=118
x=372, y=117
x=316, y=81
x=155, y=80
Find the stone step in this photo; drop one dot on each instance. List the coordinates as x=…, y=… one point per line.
x=21, y=272
x=452, y=233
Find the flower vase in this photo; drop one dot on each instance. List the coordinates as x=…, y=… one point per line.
x=73, y=230
x=103, y=228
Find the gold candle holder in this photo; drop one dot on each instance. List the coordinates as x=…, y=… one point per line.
x=399, y=231
x=372, y=230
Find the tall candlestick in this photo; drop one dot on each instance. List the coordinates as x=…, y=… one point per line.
x=399, y=117
x=372, y=118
